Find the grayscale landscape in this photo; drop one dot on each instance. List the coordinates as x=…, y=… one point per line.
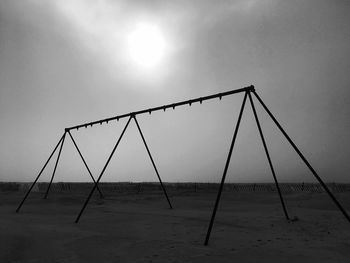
x=174, y=131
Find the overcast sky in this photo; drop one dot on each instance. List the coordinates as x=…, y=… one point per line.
x=64, y=63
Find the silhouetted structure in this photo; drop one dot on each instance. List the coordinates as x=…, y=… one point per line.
x=132, y=116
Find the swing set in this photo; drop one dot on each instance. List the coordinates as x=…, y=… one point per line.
x=248, y=91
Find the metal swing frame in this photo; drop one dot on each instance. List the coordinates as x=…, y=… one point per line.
x=248, y=91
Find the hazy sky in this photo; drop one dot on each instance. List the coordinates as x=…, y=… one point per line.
x=64, y=63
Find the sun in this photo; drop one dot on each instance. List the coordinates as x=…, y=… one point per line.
x=146, y=45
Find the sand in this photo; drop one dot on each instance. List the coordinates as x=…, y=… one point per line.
x=249, y=227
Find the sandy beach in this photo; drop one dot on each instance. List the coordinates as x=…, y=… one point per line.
x=140, y=227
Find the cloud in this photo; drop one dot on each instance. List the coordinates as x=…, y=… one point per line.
x=102, y=28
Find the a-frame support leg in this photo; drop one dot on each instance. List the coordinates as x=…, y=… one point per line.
x=36, y=179
x=225, y=171
x=54, y=170
x=268, y=155
x=87, y=167
x=303, y=158
x=154, y=166
x=102, y=172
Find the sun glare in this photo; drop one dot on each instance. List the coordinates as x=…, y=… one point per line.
x=146, y=45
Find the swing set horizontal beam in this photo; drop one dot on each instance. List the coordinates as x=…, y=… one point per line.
x=164, y=107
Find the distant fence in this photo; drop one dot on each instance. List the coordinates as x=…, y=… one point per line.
x=182, y=187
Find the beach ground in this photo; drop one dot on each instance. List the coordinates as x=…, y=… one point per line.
x=140, y=227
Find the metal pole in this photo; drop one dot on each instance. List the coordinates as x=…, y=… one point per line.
x=103, y=170
x=225, y=171
x=303, y=158
x=36, y=179
x=87, y=167
x=54, y=170
x=268, y=155
x=150, y=156
x=164, y=107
